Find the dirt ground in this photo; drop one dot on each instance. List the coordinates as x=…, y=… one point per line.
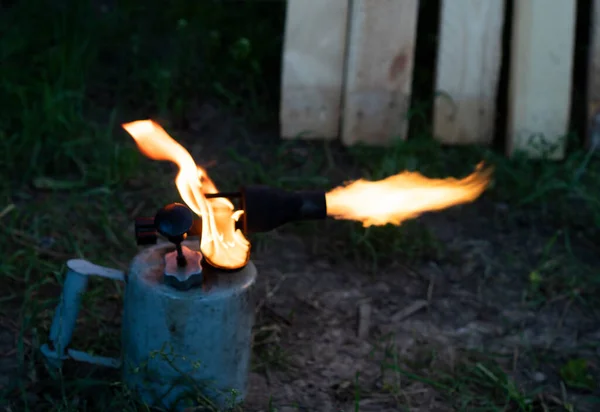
x=474, y=302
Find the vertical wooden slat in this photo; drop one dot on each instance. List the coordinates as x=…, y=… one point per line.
x=379, y=70
x=313, y=68
x=468, y=70
x=593, y=96
x=540, y=75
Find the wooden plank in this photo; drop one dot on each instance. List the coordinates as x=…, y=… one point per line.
x=593, y=97
x=540, y=76
x=379, y=70
x=468, y=70
x=313, y=68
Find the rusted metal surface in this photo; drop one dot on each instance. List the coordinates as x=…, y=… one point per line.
x=187, y=341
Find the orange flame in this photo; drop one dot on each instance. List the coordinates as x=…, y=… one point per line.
x=222, y=245
x=403, y=196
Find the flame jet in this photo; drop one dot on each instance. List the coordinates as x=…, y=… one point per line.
x=392, y=200
x=403, y=196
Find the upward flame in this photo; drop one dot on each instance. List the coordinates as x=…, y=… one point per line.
x=222, y=245
x=403, y=196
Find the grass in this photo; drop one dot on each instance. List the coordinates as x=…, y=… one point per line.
x=72, y=180
x=472, y=380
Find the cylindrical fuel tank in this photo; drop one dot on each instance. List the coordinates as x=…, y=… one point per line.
x=185, y=348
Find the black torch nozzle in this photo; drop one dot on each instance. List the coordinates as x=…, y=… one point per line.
x=266, y=208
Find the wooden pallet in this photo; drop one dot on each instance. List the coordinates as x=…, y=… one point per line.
x=348, y=68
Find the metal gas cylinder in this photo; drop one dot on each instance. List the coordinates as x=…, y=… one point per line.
x=186, y=329
x=187, y=342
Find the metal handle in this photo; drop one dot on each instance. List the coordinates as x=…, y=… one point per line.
x=65, y=317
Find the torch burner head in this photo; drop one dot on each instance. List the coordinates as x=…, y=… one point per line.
x=264, y=209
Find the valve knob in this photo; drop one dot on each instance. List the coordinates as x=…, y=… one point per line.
x=173, y=222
